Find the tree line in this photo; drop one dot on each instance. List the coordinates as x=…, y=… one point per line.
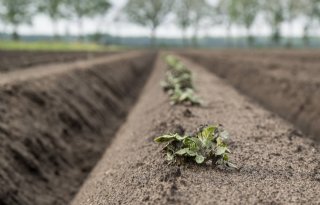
x=195, y=15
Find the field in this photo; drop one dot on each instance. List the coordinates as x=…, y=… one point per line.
x=17, y=60
x=79, y=127
x=55, y=46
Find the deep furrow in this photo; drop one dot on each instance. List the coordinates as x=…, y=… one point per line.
x=59, y=123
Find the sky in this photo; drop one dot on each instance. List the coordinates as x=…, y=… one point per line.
x=42, y=25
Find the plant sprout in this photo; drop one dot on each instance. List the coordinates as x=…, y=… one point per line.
x=207, y=143
x=178, y=96
x=178, y=83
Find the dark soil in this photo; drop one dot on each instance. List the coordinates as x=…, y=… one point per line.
x=287, y=86
x=18, y=60
x=290, y=55
x=54, y=125
x=278, y=164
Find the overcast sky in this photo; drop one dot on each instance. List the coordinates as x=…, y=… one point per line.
x=42, y=25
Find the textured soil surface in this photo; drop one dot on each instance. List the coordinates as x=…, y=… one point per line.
x=56, y=121
x=278, y=164
x=17, y=60
x=286, y=82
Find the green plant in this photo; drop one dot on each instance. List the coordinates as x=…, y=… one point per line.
x=187, y=95
x=178, y=83
x=207, y=143
x=172, y=61
x=183, y=81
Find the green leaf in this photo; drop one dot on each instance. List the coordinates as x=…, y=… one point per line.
x=224, y=135
x=199, y=159
x=192, y=143
x=170, y=156
x=180, y=138
x=191, y=153
x=208, y=131
x=167, y=138
x=220, y=142
x=225, y=157
x=231, y=165
x=171, y=61
x=228, y=150
x=220, y=150
x=182, y=151
x=164, y=138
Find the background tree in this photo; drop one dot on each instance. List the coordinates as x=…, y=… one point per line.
x=228, y=12
x=274, y=11
x=310, y=9
x=81, y=9
x=55, y=10
x=245, y=13
x=201, y=11
x=15, y=13
x=293, y=9
x=183, y=12
x=2, y=26
x=151, y=13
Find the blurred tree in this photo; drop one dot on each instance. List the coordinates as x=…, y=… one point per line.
x=55, y=9
x=311, y=10
x=15, y=13
x=151, y=13
x=227, y=10
x=190, y=13
x=183, y=11
x=293, y=8
x=201, y=10
x=244, y=13
x=2, y=24
x=274, y=10
x=81, y=9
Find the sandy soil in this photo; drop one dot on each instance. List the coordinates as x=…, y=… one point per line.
x=278, y=165
x=290, y=89
x=56, y=122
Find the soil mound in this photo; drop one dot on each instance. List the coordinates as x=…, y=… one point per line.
x=291, y=89
x=53, y=129
x=18, y=60
x=277, y=166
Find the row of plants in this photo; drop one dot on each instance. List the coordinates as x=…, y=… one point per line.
x=208, y=142
x=179, y=83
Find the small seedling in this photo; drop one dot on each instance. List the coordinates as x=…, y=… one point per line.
x=207, y=143
x=178, y=96
x=178, y=83
x=184, y=81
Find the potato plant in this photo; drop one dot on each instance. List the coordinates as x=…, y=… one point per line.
x=178, y=83
x=207, y=143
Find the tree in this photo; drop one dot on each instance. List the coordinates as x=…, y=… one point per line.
x=81, y=9
x=15, y=13
x=311, y=10
x=151, y=13
x=55, y=9
x=245, y=13
x=183, y=11
x=293, y=8
x=190, y=13
x=201, y=10
x=227, y=9
x=1, y=18
x=274, y=10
